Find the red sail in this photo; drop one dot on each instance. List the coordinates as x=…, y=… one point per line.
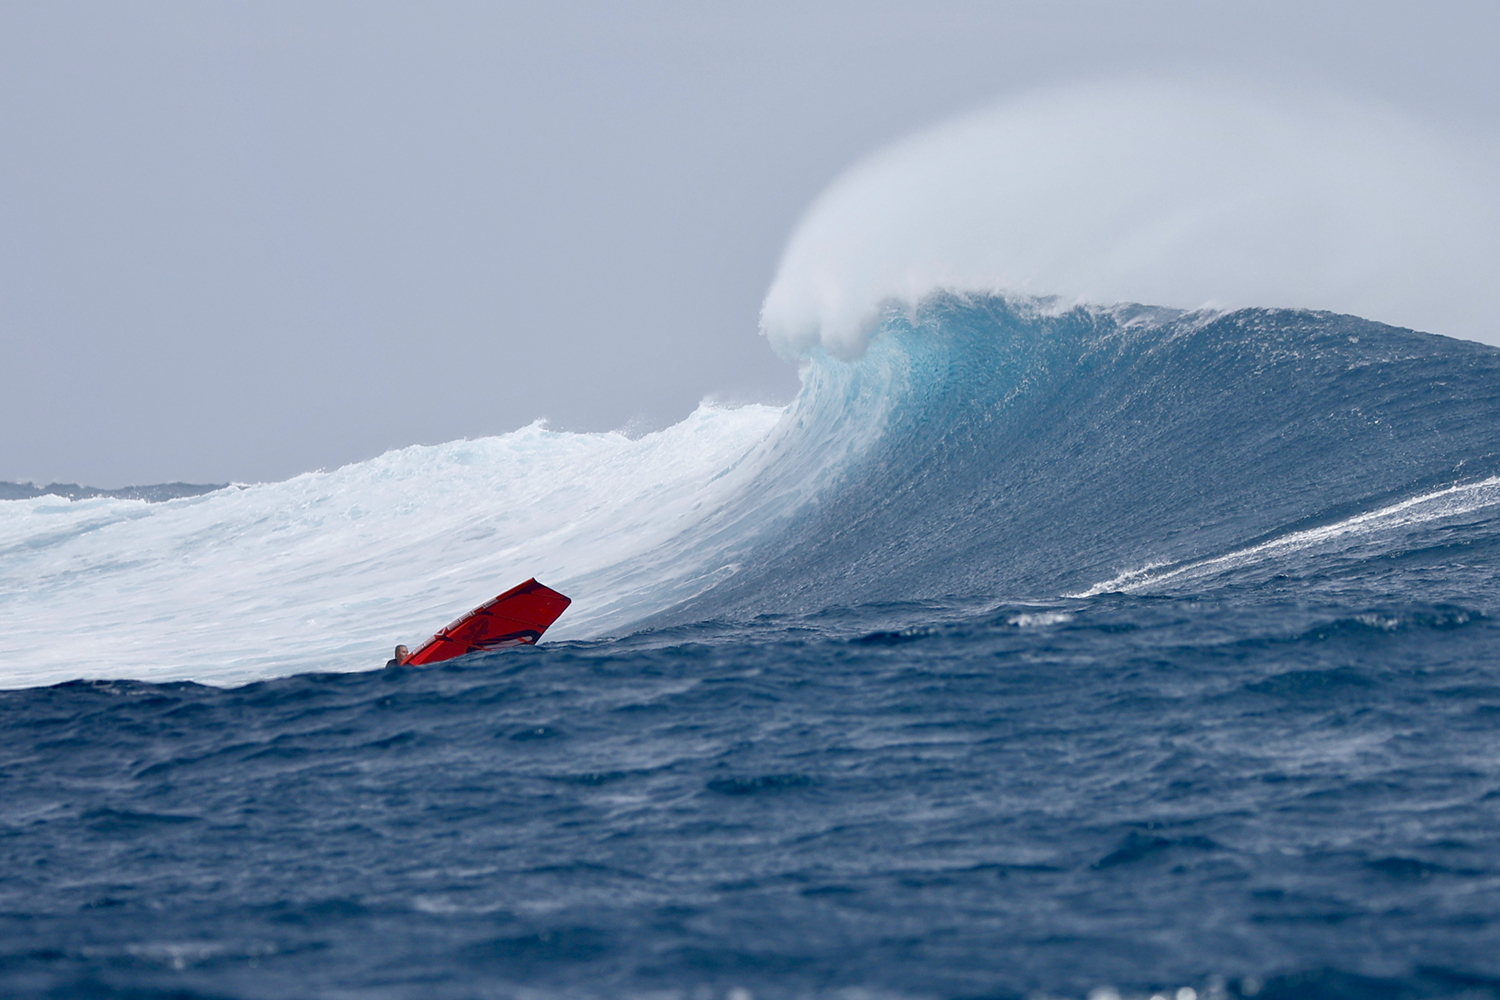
x=518, y=616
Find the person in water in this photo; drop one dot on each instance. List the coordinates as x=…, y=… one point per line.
x=402, y=655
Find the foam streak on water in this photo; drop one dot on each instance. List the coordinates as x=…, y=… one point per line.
x=1361, y=529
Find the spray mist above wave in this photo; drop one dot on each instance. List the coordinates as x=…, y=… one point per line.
x=1173, y=194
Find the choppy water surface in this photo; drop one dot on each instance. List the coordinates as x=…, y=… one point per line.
x=1141, y=792
x=1033, y=654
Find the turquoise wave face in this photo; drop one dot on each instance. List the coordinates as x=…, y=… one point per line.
x=988, y=448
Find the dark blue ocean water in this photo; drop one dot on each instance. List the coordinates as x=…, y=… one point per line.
x=1255, y=752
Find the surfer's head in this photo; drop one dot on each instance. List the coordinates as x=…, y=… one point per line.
x=402, y=655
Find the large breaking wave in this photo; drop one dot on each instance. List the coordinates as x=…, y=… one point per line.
x=984, y=449
x=1030, y=454
x=954, y=440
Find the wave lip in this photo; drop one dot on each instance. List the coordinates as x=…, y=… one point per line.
x=1183, y=194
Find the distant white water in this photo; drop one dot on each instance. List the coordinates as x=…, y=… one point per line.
x=329, y=570
x=1187, y=194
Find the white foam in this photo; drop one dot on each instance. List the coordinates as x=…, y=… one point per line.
x=1185, y=194
x=329, y=570
x=1038, y=619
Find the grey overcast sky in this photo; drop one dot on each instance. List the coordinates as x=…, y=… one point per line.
x=242, y=241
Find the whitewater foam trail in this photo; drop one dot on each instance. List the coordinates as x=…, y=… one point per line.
x=1452, y=501
x=328, y=570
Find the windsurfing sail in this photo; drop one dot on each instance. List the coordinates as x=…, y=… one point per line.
x=517, y=617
